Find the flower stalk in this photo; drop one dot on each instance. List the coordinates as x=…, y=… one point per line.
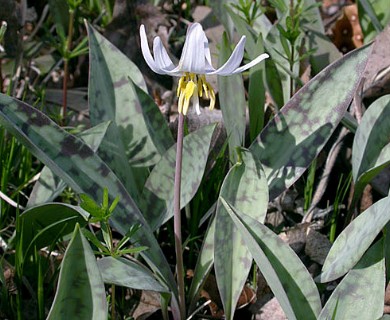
x=194, y=65
x=177, y=216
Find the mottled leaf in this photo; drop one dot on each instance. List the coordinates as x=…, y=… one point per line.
x=158, y=191
x=245, y=187
x=139, y=134
x=128, y=273
x=287, y=276
x=45, y=224
x=294, y=137
x=73, y=161
x=203, y=265
x=49, y=186
x=80, y=292
x=232, y=102
x=354, y=240
x=360, y=294
x=371, y=145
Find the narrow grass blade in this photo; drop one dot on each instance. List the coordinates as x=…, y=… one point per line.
x=80, y=293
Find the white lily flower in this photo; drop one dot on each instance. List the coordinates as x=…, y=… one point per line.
x=194, y=64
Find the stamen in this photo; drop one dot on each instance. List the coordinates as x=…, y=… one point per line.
x=191, y=87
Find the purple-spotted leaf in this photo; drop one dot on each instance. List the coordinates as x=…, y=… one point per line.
x=360, y=294
x=80, y=292
x=245, y=187
x=232, y=101
x=354, y=240
x=139, y=134
x=371, y=145
x=203, y=265
x=49, y=186
x=158, y=191
x=128, y=273
x=286, y=275
x=74, y=162
x=295, y=136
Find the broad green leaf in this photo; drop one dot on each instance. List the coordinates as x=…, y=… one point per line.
x=80, y=292
x=128, y=273
x=360, y=294
x=49, y=186
x=256, y=93
x=73, y=161
x=44, y=225
x=371, y=145
x=354, y=240
x=232, y=102
x=287, y=276
x=245, y=187
x=273, y=83
x=203, y=265
x=158, y=191
x=294, y=137
x=139, y=134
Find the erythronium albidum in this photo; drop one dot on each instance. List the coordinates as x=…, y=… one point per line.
x=194, y=64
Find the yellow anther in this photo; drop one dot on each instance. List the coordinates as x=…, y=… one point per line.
x=188, y=92
x=190, y=87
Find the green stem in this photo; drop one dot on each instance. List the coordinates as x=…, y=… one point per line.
x=177, y=216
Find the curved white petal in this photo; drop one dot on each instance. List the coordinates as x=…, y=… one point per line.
x=234, y=60
x=193, y=55
x=161, y=56
x=207, y=53
x=146, y=52
x=252, y=63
